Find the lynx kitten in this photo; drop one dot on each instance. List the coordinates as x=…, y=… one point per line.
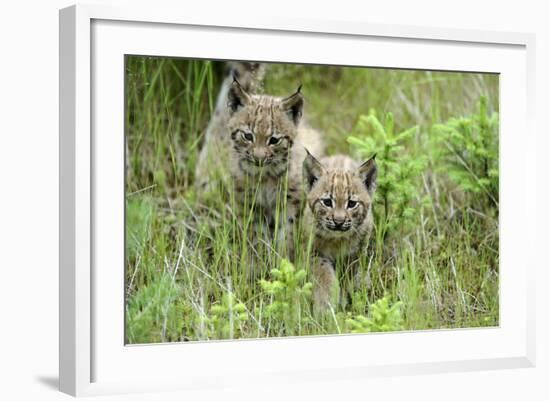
x=259, y=144
x=339, y=198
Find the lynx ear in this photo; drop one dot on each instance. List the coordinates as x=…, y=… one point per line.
x=367, y=172
x=312, y=170
x=237, y=97
x=293, y=106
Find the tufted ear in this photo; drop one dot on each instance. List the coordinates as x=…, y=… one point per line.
x=312, y=170
x=367, y=172
x=293, y=106
x=237, y=97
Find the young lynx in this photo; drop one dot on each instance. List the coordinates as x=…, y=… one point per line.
x=339, y=198
x=268, y=149
x=260, y=143
x=216, y=139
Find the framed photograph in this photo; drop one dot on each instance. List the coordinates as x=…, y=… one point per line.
x=288, y=199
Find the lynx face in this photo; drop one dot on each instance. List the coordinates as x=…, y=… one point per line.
x=340, y=195
x=263, y=129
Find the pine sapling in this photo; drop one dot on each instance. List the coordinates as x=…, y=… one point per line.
x=382, y=317
x=399, y=171
x=288, y=291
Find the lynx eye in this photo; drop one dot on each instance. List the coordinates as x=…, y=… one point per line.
x=247, y=136
x=351, y=204
x=327, y=202
x=274, y=140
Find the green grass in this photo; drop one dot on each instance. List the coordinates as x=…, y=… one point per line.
x=197, y=271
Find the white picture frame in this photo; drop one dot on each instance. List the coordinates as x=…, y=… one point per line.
x=93, y=357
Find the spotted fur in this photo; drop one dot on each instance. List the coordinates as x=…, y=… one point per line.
x=216, y=140
x=339, y=197
x=259, y=143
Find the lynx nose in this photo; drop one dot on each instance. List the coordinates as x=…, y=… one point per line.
x=339, y=220
x=259, y=154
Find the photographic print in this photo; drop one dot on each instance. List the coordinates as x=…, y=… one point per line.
x=271, y=200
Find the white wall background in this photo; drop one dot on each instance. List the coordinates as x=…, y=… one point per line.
x=29, y=196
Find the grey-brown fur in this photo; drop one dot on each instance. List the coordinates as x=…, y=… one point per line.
x=339, y=211
x=257, y=142
x=250, y=76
